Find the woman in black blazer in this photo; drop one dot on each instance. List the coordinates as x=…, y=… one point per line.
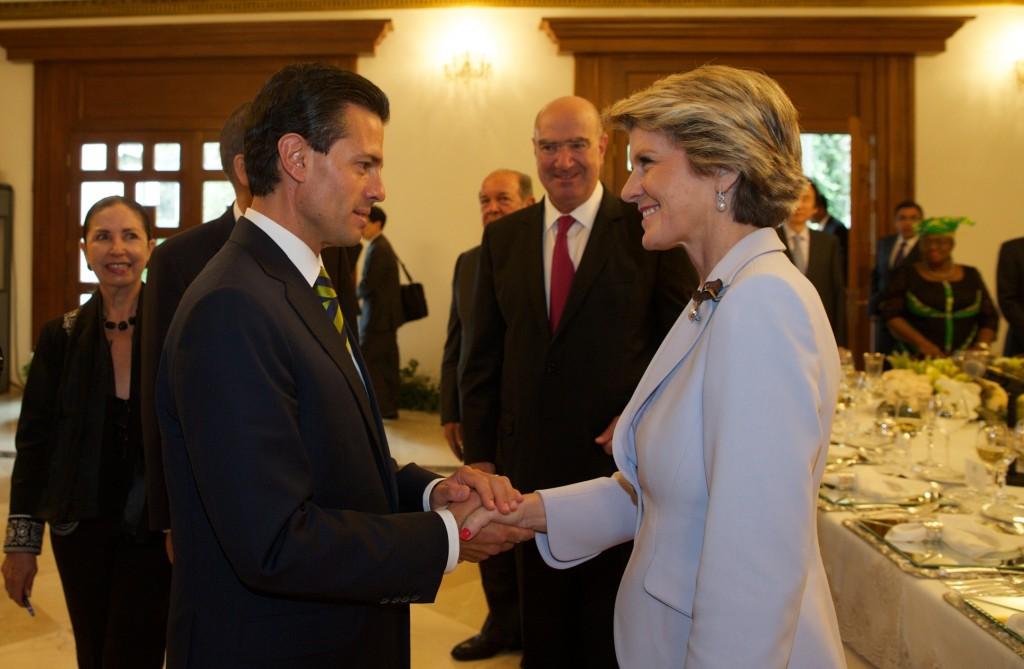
x=79, y=463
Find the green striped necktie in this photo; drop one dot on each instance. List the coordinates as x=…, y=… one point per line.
x=329, y=301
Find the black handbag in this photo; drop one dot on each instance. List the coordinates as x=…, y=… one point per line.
x=414, y=301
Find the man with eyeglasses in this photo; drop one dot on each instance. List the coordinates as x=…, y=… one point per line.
x=569, y=310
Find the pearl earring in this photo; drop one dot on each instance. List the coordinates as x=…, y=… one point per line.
x=720, y=200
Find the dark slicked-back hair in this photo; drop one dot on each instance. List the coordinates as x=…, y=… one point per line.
x=377, y=215
x=308, y=99
x=908, y=204
x=232, y=140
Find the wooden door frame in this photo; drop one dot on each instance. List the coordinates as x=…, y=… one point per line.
x=883, y=48
x=60, y=54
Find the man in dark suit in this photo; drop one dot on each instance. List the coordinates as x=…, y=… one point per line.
x=381, y=313
x=816, y=254
x=832, y=225
x=172, y=267
x=891, y=252
x=569, y=308
x=502, y=192
x=299, y=541
x=1010, y=289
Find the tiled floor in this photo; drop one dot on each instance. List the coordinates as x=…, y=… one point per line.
x=46, y=641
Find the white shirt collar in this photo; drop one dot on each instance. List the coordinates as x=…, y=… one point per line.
x=307, y=262
x=584, y=214
x=790, y=232
x=236, y=211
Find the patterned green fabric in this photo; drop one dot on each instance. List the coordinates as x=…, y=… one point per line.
x=941, y=225
x=329, y=301
x=918, y=308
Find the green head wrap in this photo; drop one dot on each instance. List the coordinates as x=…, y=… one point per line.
x=941, y=225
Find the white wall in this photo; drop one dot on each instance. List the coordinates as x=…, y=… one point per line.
x=444, y=135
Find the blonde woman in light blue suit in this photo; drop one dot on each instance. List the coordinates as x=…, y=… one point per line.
x=722, y=446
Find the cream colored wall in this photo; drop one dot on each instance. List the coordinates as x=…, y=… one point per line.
x=444, y=136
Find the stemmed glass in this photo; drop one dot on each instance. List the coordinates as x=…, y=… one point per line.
x=993, y=447
x=910, y=416
x=949, y=415
x=873, y=363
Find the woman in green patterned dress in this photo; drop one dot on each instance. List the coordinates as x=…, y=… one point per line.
x=935, y=307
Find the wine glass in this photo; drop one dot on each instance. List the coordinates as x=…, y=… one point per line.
x=993, y=448
x=873, y=364
x=910, y=415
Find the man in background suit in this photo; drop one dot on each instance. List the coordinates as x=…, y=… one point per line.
x=816, y=255
x=891, y=252
x=300, y=542
x=381, y=313
x=569, y=308
x=832, y=225
x=173, y=266
x=1010, y=289
x=502, y=192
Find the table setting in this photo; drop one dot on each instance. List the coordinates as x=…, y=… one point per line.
x=916, y=473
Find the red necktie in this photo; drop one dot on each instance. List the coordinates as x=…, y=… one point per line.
x=562, y=271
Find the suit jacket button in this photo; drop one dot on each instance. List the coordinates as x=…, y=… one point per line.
x=406, y=600
x=385, y=601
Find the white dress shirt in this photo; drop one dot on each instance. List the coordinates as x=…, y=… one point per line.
x=907, y=248
x=577, y=236
x=308, y=264
x=798, y=243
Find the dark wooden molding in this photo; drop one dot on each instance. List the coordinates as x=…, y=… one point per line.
x=754, y=34
x=64, y=9
x=195, y=40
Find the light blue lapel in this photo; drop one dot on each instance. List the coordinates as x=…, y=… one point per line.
x=680, y=340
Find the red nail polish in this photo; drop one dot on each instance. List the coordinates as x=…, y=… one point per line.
x=464, y=534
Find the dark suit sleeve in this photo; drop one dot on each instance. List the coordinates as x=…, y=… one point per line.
x=450, y=360
x=1010, y=284
x=481, y=378
x=250, y=466
x=37, y=424
x=164, y=288
x=838, y=291
x=677, y=279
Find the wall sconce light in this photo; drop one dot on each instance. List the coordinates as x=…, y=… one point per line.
x=467, y=66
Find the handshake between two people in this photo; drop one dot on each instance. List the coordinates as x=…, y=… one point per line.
x=492, y=515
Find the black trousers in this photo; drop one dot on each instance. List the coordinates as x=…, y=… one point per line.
x=117, y=592
x=567, y=614
x=501, y=588
x=380, y=354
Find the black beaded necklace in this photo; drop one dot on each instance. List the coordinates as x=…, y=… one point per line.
x=120, y=325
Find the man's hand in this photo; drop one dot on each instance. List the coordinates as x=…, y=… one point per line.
x=487, y=467
x=491, y=540
x=19, y=570
x=604, y=440
x=453, y=434
x=496, y=492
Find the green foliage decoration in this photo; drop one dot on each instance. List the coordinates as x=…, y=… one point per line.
x=416, y=391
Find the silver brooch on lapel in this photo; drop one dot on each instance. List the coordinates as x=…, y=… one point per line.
x=711, y=290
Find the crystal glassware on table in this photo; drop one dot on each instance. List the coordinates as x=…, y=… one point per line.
x=993, y=445
x=949, y=414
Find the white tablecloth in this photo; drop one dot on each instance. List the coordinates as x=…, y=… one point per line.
x=897, y=620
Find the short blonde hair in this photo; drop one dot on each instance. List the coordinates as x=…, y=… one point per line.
x=727, y=118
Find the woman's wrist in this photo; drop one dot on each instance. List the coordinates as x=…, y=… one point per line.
x=24, y=535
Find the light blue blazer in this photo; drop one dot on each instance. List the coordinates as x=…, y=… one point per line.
x=723, y=444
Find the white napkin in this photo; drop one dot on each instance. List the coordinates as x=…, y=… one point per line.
x=871, y=484
x=964, y=534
